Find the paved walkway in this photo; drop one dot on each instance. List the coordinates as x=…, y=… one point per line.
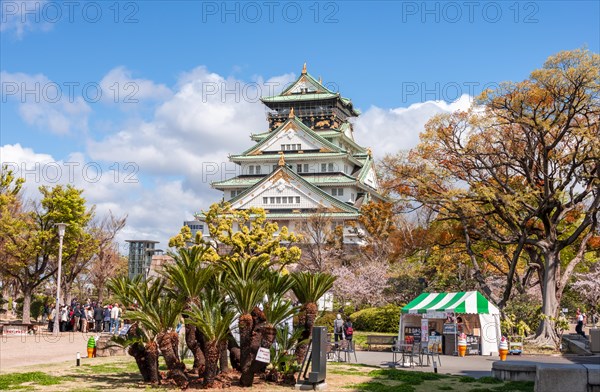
x=474, y=365
x=44, y=348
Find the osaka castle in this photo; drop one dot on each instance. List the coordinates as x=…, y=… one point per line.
x=307, y=162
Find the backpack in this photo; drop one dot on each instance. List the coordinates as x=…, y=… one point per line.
x=349, y=331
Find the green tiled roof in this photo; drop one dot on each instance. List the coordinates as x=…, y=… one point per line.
x=321, y=193
x=315, y=179
x=299, y=97
x=300, y=124
x=289, y=154
x=292, y=215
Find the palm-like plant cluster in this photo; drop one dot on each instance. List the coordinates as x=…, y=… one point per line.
x=210, y=297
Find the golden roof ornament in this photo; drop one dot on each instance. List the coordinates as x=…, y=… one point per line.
x=291, y=115
x=281, y=159
x=369, y=152
x=304, y=69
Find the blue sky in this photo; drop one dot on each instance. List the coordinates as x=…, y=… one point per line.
x=384, y=55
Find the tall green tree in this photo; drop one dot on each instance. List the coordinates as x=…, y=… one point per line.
x=30, y=238
x=521, y=170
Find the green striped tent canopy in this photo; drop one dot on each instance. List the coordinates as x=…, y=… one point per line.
x=463, y=302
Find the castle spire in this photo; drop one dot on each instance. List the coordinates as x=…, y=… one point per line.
x=291, y=115
x=281, y=159
x=304, y=69
x=320, y=80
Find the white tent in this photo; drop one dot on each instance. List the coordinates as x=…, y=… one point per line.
x=469, y=302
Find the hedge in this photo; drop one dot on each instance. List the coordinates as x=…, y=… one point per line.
x=382, y=319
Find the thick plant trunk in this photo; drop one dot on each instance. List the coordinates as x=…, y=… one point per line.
x=267, y=336
x=138, y=351
x=152, y=362
x=167, y=341
x=26, y=305
x=223, y=358
x=307, y=317
x=234, y=352
x=212, y=363
x=192, y=342
x=546, y=334
x=245, y=326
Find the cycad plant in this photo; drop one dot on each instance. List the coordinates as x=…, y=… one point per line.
x=246, y=289
x=309, y=287
x=188, y=276
x=212, y=316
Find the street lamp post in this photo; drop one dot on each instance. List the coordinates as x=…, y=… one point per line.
x=61, y=234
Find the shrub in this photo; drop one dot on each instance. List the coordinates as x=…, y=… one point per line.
x=382, y=319
x=326, y=320
x=525, y=308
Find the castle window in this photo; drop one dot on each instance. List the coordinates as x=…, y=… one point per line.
x=297, y=199
x=337, y=192
x=330, y=167
x=272, y=200
x=302, y=168
x=265, y=200
x=323, y=167
x=251, y=169
x=291, y=147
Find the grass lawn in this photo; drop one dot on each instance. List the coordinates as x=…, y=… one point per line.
x=121, y=374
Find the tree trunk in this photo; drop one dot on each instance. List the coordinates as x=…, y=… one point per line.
x=212, y=363
x=234, y=352
x=307, y=317
x=152, y=362
x=192, y=342
x=245, y=327
x=546, y=334
x=26, y=304
x=100, y=294
x=138, y=351
x=223, y=358
x=166, y=342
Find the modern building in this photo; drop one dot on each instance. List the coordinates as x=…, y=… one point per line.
x=306, y=162
x=140, y=256
x=195, y=227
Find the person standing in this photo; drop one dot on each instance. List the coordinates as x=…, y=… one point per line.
x=64, y=318
x=98, y=316
x=348, y=329
x=106, y=318
x=338, y=328
x=114, y=319
x=579, y=326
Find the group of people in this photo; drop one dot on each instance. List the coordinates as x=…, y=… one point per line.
x=85, y=318
x=342, y=329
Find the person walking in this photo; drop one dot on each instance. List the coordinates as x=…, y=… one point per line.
x=98, y=316
x=78, y=314
x=338, y=328
x=348, y=329
x=114, y=319
x=106, y=319
x=64, y=318
x=579, y=327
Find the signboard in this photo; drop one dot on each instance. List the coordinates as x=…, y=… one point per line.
x=263, y=355
x=14, y=330
x=124, y=330
x=424, y=329
x=435, y=315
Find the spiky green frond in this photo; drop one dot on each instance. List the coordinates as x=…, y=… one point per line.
x=309, y=287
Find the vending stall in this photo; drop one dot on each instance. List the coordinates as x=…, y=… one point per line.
x=444, y=316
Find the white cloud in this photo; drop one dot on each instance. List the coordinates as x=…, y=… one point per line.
x=45, y=104
x=388, y=131
x=25, y=16
x=119, y=87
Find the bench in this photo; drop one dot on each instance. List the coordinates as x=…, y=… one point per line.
x=380, y=340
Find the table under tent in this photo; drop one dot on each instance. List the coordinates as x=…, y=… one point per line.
x=443, y=316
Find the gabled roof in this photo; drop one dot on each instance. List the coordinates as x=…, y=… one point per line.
x=470, y=302
x=318, y=179
x=290, y=177
x=307, y=88
x=294, y=124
